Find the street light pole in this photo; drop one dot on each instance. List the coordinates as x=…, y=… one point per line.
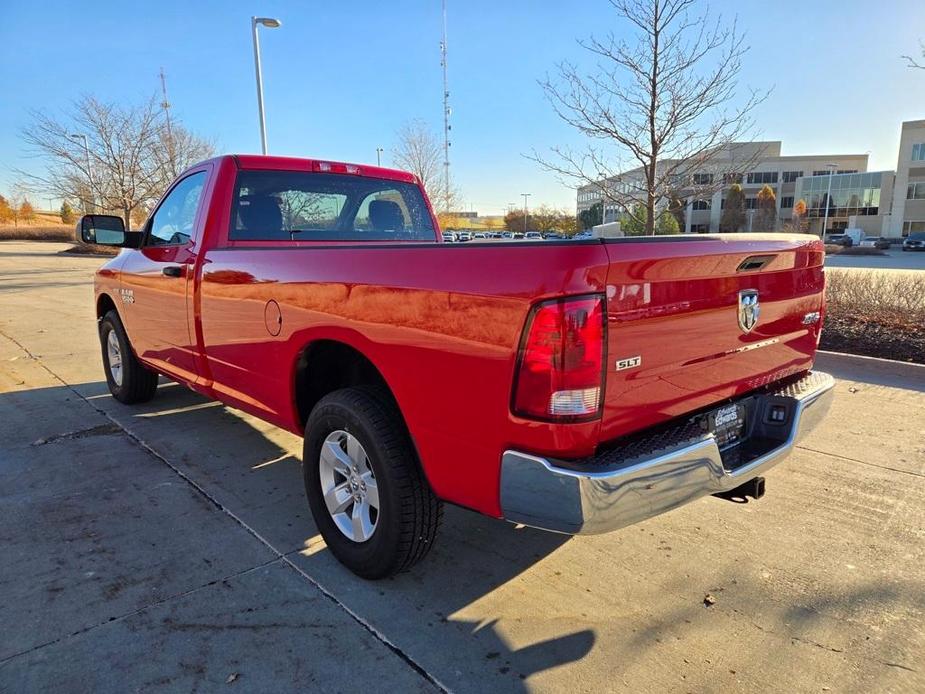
x=76, y=136
x=525, y=196
x=269, y=23
x=379, y=152
x=828, y=199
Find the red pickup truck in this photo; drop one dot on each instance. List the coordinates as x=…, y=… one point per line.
x=574, y=386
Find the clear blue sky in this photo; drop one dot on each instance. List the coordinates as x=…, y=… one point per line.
x=341, y=77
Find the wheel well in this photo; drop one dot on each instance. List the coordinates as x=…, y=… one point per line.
x=104, y=305
x=325, y=366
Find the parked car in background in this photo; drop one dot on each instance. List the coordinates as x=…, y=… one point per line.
x=448, y=236
x=915, y=241
x=847, y=238
x=464, y=236
x=479, y=235
x=875, y=242
x=533, y=236
x=507, y=235
x=586, y=234
x=495, y=235
x=552, y=235
x=545, y=395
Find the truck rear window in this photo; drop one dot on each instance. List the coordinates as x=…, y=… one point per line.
x=302, y=206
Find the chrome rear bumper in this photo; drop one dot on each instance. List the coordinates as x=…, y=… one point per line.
x=657, y=473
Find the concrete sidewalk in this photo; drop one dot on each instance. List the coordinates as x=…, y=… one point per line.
x=119, y=574
x=169, y=546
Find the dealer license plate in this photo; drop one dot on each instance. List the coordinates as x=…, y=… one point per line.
x=727, y=424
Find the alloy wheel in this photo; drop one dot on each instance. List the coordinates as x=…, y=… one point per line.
x=348, y=486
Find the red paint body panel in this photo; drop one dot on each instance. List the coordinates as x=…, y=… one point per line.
x=677, y=309
x=442, y=323
x=443, y=336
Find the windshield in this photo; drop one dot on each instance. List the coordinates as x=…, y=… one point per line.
x=295, y=205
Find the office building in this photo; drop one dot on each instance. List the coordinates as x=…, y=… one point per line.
x=882, y=203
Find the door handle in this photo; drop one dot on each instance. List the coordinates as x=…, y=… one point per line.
x=173, y=271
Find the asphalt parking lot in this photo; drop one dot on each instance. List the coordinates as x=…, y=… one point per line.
x=893, y=259
x=168, y=546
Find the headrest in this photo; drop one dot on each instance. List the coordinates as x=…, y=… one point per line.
x=260, y=213
x=385, y=215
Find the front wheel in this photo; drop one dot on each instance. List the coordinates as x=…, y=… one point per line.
x=128, y=381
x=365, y=487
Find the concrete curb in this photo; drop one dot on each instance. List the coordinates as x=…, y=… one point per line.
x=861, y=360
x=886, y=372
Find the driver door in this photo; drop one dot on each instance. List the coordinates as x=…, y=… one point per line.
x=157, y=281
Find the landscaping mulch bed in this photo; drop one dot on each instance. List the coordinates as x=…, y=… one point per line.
x=80, y=249
x=835, y=249
x=902, y=342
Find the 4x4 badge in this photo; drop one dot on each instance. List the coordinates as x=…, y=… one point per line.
x=749, y=309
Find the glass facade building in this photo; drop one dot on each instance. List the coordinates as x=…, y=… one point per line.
x=887, y=203
x=851, y=194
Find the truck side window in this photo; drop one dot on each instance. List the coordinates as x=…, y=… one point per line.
x=172, y=223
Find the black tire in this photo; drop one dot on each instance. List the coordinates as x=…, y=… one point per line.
x=409, y=513
x=138, y=383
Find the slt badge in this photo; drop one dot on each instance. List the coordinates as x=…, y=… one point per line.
x=749, y=309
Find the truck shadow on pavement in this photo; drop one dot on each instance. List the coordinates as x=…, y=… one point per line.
x=442, y=613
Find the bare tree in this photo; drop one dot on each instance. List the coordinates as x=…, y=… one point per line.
x=124, y=164
x=664, y=103
x=419, y=151
x=178, y=150
x=913, y=62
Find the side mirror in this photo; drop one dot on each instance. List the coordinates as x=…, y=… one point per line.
x=102, y=229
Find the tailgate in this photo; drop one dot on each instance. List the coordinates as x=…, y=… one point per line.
x=680, y=309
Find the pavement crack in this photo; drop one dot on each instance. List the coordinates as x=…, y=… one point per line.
x=898, y=665
x=810, y=642
x=863, y=462
x=156, y=603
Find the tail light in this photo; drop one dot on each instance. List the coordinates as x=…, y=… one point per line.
x=560, y=366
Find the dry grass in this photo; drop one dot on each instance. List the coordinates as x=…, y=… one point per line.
x=39, y=231
x=22, y=232
x=884, y=297
x=877, y=314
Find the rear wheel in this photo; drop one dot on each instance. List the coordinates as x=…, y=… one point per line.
x=366, y=490
x=128, y=381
